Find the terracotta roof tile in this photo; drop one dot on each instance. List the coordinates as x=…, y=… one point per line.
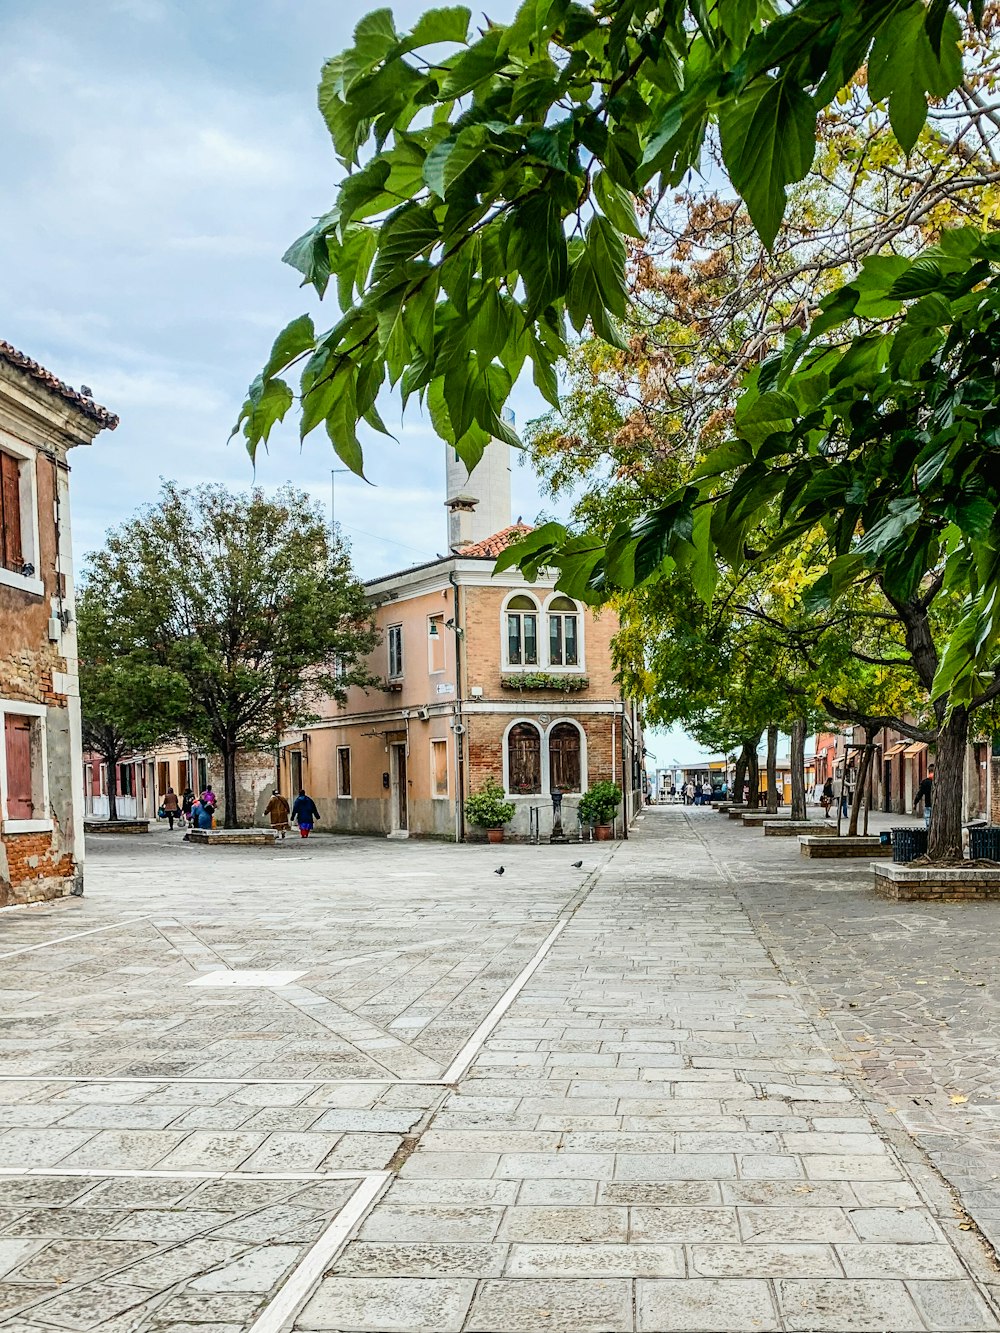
x=490, y=547
x=107, y=420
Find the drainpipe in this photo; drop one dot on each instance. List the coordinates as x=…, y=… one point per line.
x=625, y=777
x=459, y=736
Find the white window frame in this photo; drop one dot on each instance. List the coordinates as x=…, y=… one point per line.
x=575, y=668
x=28, y=486
x=508, y=665
x=437, y=619
x=435, y=794
x=345, y=795
x=20, y=709
x=394, y=675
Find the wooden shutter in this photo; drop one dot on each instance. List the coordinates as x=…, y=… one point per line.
x=524, y=756
x=564, y=757
x=10, y=503
x=17, y=738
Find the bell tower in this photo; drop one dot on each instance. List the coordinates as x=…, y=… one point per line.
x=478, y=502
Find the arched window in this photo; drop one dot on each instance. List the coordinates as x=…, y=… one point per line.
x=564, y=632
x=564, y=757
x=522, y=631
x=524, y=760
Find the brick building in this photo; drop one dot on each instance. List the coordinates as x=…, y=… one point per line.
x=41, y=791
x=483, y=676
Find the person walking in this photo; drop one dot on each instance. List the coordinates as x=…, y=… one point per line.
x=827, y=797
x=689, y=794
x=304, y=813
x=925, y=793
x=171, y=807
x=187, y=801
x=277, y=810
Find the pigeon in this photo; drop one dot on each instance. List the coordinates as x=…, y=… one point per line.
x=498, y=871
x=577, y=865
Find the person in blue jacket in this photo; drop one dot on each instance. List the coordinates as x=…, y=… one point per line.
x=304, y=813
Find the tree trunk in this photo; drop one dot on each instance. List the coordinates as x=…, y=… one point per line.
x=945, y=841
x=229, y=754
x=859, y=787
x=739, y=777
x=772, y=770
x=111, y=763
x=753, y=773
x=797, y=762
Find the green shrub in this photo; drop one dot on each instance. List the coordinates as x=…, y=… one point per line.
x=599, y=804
x=488, y=807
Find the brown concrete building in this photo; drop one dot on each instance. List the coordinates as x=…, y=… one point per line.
x=483, y=676
x=41, y=789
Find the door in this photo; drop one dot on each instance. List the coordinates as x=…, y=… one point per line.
x=399, y=820
x=20, y=804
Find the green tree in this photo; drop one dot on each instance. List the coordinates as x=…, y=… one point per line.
x=248, y=600
x=128, y=703
x=492, y=179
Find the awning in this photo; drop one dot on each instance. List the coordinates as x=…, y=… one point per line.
x=898, y=748
x=917, y=747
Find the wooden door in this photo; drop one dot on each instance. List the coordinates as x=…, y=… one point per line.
x=17, y=738
x=400, y=792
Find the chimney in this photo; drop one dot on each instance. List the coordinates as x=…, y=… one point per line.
x=478, y=502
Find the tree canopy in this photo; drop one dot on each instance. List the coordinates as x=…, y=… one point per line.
x=247, y=599
x=493, y=175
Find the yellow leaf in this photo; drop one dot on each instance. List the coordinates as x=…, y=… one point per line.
x=957, y=1099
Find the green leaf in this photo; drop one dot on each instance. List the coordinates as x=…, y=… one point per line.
x=474, y=66
x=406, y=233
x=266, y=402
x=342, y=418
x=905, y=67
x=607, y=257
x=449, y=160
x=768, y=141
x=294, y=339
x=616, y=204
x=552, y=143
x=540, y=247
x=439, y=25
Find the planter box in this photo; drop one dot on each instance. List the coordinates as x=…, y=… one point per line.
x=233, y=837
x=754, y=818
x=736, y=811
x=789, y=828
x=819, y=845
x=910, y=884
x=116, y=826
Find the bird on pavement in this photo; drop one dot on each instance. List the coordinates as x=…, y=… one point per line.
x=577, y=865
x=498, y=871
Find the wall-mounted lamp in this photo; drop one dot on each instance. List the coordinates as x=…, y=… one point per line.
x=433, y=631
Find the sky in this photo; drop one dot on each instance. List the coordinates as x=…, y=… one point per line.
x=159, y=157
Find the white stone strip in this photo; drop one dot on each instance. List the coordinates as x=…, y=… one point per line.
x=66, y=939
x=471, y=1049
x=206, y=1081
x=279, y=1314
x=131, y=1173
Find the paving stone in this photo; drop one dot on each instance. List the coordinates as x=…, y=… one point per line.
x=388, y=1305
x=564, y=1224
x=847, y=1306
x=431, y=1222
x=421, y=1260
x=257, y=1271
x=894, y=1224
x=523, y=1305
x=914, y=1260
x=684, y=1225
x=953, y=1307
x=704, y=1306
x=795, y=1224
x=597, y=1261
x=791, y=1260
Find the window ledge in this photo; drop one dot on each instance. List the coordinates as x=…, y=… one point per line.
x=10, y=579
x=27, y=826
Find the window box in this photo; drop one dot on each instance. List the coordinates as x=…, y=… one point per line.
x=545, y=680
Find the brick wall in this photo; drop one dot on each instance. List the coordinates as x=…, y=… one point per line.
x=35, y=869
x=485, y=746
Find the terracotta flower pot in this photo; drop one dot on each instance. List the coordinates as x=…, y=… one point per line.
x=494, y=834
x=602, y=832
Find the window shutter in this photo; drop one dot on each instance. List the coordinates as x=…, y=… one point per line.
x=10, y=494
x=524, y=754
x=564, y=757
x=17, y=737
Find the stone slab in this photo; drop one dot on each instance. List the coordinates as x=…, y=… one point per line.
x=903, y=883
x=790, y=828
x=820, y=845
x=736, y=811
x=116, y=826
x=233, y=837
x=754, y=818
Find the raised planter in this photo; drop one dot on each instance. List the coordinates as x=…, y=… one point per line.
x=789, y=828
x=116, y=826
x=931, y=884
x=233, y=837
x=738, y=811
x=754, y=818
x=820, y=845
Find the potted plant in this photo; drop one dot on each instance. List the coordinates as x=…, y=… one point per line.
x=489, y=808
x=599, y=806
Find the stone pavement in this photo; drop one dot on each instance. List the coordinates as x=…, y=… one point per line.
x=660, y=1133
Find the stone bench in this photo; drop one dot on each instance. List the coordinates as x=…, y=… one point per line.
x=821, y=845
x=932, y=884
x=754, y=818
x=736, y=811
x=116, y=826
x=233, y=837
x=788, y=828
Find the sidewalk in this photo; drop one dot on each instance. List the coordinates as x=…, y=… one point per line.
x=655, y=1138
